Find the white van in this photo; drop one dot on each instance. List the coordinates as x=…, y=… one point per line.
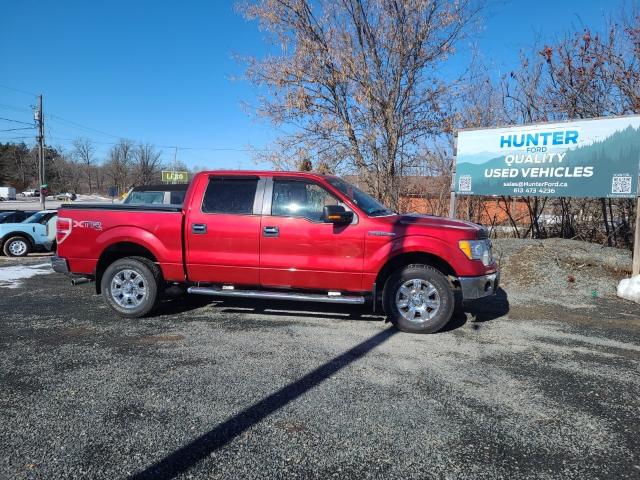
x=7, y=193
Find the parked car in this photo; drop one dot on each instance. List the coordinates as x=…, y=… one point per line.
x=156, y=194
x=282, y=236
x=7, y=193
x=14, y=216
x=31, y=193
x=36, y=233
x=66, y=196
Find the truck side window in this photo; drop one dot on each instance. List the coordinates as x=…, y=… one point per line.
x=295, y=198
x=230, y=195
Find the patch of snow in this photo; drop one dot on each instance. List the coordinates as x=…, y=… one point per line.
x=92, y=198
x=10, y=277
x=629, y=288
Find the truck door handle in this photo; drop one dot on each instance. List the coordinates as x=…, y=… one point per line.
x=270, y=231
x=199, y=228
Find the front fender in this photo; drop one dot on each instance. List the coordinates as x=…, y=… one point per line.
x=414, y=244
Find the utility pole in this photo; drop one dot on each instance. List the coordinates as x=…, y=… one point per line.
x=175, y=163
x=41, y=169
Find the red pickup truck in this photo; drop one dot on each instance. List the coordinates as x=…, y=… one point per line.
x=278, y=235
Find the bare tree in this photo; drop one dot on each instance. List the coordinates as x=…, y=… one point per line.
x=83, y=152
x=119, y=163
x=358, y=79
x=147, y=164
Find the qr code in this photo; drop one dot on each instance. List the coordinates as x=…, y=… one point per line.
x=464, y=183
x=621, y=185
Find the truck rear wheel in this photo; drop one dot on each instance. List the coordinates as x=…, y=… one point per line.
x=131, y=286
x=418, y=299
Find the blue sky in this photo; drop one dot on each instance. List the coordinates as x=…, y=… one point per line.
x=163, y=72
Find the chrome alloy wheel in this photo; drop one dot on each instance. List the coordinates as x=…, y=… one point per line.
x=18, y=248
x=128, y=289
x=417, y=300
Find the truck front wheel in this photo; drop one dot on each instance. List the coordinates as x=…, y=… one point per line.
x=418, y=299
x=131, y=286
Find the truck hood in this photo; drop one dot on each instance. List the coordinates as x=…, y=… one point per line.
x=417, y=221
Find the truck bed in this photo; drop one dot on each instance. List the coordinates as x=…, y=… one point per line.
x=98, y=229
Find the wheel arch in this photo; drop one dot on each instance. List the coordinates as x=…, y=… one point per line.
x=116, y=251
x=409, y=258
x=24, y=235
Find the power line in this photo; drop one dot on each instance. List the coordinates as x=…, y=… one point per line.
x=211, y=149
x=62, y=120
x=19, y=91
x=14, y=129
x=12, y=107
x=15, y=121
x=79, y=125
x=16, y=138
x=56, y=117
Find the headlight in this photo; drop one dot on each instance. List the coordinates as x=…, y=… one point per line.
x=477, y=250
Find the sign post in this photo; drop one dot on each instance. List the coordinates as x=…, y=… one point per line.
x=113, y=192
x=635, y=268
x=452, y=200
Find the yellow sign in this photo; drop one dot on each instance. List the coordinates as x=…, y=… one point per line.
x=171, y=176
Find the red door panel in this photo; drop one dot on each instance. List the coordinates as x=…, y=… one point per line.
x=227, y=252
x=311, y=255
x=223, y=233
x=299, y=250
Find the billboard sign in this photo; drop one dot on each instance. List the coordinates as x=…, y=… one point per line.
x=171, y=176
x=584, y=158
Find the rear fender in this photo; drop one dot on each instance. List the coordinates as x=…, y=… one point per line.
x=131, y=234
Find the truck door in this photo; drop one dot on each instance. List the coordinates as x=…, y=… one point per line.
x=298, y=249
x=222, y=230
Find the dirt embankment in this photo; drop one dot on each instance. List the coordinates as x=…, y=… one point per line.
x=566, y=272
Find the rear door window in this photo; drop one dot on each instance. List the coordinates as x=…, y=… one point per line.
x=177, y=198
x=230, y=195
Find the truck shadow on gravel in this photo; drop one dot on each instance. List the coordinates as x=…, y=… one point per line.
x=485, y=309
x=476, y=311
x=184, y=458
x=181, y=460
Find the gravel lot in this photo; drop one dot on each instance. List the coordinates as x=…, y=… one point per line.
x=515, y=388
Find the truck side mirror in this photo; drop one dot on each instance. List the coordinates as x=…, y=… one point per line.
x=337, y=215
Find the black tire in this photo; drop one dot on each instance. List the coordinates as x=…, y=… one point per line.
x=151, y=280
x=16, y=246
x=445, y=295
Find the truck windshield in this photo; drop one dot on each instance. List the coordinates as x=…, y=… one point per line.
x=366, y=202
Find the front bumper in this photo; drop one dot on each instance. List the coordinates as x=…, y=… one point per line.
x=59, y=265
x=478, y=287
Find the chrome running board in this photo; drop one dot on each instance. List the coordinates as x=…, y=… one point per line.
x=270, y=295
